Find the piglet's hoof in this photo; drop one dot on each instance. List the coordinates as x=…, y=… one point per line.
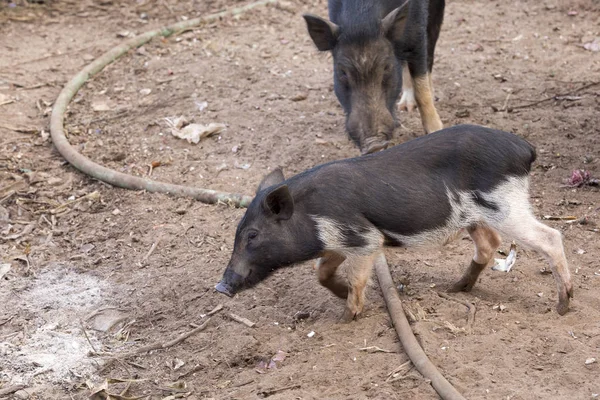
x=348, y=316
x=374, y=147
x=563, y=305
x=463, y=285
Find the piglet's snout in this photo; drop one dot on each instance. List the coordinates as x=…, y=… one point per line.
x=230, y=283
x=223, y=287
x=374, y=145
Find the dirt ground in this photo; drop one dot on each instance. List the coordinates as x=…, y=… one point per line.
x=77, y=273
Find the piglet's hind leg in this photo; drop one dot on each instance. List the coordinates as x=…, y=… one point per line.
x=486, y=243
x=548, y=242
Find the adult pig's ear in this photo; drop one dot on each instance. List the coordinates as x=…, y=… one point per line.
x=279, y=203
x=273, y=178
x=324, y=33
x=393, y=24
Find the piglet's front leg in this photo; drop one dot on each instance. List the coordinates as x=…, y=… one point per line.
x=326, y=267
x=358, y=271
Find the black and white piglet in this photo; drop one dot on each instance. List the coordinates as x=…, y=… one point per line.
x=422, y=192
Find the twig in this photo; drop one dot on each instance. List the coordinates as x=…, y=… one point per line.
x=7, y=102
x=504, y=107
x=34, y=60
x=86, y=336
x=375, y=349
x=152, y=248
x=94, y=196
x=243, y=383
x=11, y=389
x=126, y=389
x=150, y=347
x=242, y=320
x=470, y=307
x=398, y=369
x=197, y=368
x=556, y=97
x=167, y=6
x=215, y=310
x=559, y=218
x=7, y=320
x=403, y=376
x=8, y=196
x=158, y=346
x=20, y=129
x=26, y=231
x=271, y=392
x=407, y=338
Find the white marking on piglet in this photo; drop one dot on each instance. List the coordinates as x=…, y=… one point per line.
x=330, y=232
x=510, y=197
x=407, y=101
x=363, y=59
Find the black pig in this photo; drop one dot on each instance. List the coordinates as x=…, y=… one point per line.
x=379, y=48
x=422, y=192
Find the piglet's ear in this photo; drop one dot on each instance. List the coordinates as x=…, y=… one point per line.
x=279, y=203
x=324, y=33
x=273, y=178
x=393, y=24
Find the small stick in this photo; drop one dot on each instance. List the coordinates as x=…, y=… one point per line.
x=26, y=231
x=242, y=320
x=271, y=392
x=471, y=308
x=20, y=129
x=243, y=383
x=94, y=196
x=151, y=347
x=149, y=253
x=400, y=368
x=197, y=368
x=504, y=107
x=556, y=97
x=86, y=336
x=7, y=102
x=11, y=389
x=375, y=349
x=7, y=320
x=215, y=310
x=8, y=196
x=559, y=218
x=158, y=346
x=136, y=365
x=167, y=6
x=126, y=389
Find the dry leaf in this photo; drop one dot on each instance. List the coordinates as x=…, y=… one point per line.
x=4, y=268
x=506, y=264
x=193, y=133
x=100, y=106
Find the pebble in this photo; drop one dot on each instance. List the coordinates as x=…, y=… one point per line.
x=21, y=395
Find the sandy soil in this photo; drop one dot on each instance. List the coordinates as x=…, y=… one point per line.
x=79, y=277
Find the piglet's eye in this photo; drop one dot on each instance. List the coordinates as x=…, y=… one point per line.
x=252, y=234
x=343, y=76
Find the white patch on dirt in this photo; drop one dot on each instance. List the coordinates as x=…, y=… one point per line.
x=52, y=346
